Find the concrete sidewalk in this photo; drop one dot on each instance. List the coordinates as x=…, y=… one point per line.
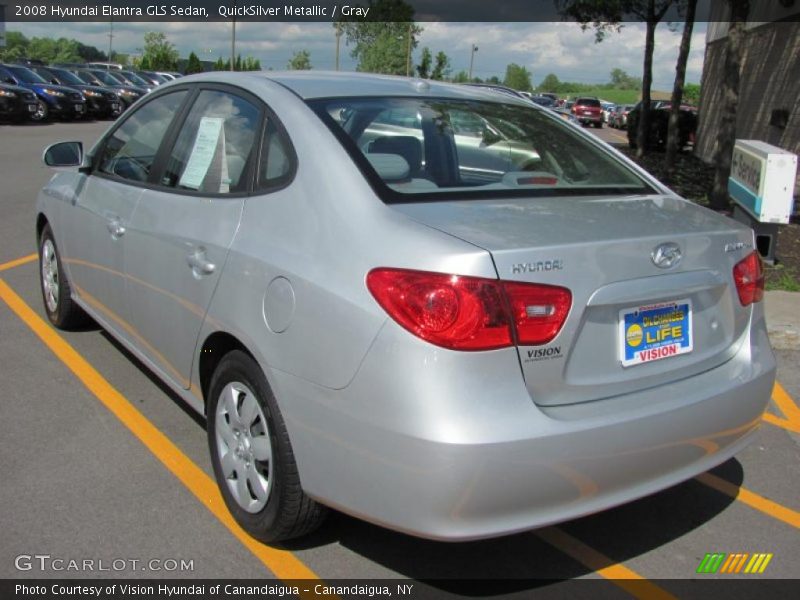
x=783, y=319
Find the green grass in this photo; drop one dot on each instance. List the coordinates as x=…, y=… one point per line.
x=786, y=282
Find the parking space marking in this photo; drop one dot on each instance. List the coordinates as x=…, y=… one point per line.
x=791, y=413
x=18, y=262
x=282, y=563
x=620, y=575
x=751, y=499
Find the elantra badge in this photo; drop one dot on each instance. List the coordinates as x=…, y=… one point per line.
x=666, y=256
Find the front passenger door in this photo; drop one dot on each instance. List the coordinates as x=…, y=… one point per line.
x=95, y=235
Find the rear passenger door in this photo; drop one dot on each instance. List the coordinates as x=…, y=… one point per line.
x=179, y=236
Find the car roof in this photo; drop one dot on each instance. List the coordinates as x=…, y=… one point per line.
x=337, y=84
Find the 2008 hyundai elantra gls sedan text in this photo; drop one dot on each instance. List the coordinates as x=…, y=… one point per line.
x=430, y=306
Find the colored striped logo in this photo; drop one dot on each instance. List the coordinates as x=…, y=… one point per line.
x=739, y=562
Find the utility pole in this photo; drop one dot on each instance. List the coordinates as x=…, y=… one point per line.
x=233, y=39
x=408, y=51
x=472, y=52
x=110, y=39
x=338, y=39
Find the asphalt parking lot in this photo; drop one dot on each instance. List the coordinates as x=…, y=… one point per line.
x=100, y=462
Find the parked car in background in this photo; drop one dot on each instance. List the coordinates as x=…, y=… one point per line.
x=659, y=125
x=620, y=120
x=151, y=78
x=452, y=352
x=16, y=103
x=588, y=111
x=101, y=102
x=131, y=78
x=172, y=76
x=606, y=107
x=104, y=65
x=567, y=116
x=542, y=100
x=52, y=100
x=127, y=94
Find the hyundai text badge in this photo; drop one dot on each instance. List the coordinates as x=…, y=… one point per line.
x=666, y=256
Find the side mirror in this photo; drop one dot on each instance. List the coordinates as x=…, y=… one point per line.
x=63, y=154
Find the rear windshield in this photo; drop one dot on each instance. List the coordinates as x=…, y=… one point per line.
x=588, y=101
x=414, y=149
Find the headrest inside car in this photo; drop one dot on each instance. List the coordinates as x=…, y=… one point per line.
x=389, y=167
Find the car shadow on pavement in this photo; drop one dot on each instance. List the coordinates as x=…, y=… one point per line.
x=156, y=381
x=525, y=561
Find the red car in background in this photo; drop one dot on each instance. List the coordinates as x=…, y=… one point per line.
x=588, y=110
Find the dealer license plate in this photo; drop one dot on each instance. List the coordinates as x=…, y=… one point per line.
x=79, y=108
x=656, y=331
x=32, y=108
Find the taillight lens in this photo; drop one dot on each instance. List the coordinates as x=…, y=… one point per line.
x=538, y=311
x=749, y=279
x=469, y=313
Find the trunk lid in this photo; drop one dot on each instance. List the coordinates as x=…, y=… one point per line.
x=602, y=250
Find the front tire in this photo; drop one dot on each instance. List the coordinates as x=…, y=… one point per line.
x=56, y=291
x=41, y=113
x=252, y=456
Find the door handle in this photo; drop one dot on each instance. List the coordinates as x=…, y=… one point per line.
x=115, y=228
x=200, y=263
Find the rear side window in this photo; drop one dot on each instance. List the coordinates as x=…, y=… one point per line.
x=130, y=151
x=214, y=145
x=277, y=158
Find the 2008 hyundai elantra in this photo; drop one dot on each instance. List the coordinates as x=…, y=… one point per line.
x=434, y=307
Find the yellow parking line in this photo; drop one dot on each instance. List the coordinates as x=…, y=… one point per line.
x=282, y=563
x=18, y=262
x=620, y=575
x=751, y=499
x=788, y=408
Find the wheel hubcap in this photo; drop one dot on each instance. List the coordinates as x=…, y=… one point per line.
x=50, y=275
x=243, y=446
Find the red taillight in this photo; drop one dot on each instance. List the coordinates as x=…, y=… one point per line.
x=469, y=313
x=749, y=278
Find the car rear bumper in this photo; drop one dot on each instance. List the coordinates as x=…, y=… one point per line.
x=450, y=446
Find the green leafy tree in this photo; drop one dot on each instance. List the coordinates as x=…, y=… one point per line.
x=220, y=65
x=691, y=93
x=300, y=61
x=425, y=62
x=441, y=68
x=252, y=64
x=518, y=78
x=159, y=53
x=461, y=77
x=16, y=46
x=622, y=81
x=193, y=65
x=494, y=79
x=237, y=65
x=383, y=42
x=550, y=83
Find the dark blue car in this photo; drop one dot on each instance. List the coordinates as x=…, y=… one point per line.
x=56, y=100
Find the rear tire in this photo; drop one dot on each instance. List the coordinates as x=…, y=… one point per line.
x=56, y=291
x=252, y=456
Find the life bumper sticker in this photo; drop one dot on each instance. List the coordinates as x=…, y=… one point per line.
x=654, y=332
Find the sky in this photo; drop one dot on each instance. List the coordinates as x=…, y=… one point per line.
x=560, y=48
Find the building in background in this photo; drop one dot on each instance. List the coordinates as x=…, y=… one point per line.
x=769, y=91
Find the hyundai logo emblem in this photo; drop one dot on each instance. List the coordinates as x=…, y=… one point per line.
x=666, y=256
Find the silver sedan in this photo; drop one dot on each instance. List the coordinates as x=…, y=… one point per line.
x=434, y=308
